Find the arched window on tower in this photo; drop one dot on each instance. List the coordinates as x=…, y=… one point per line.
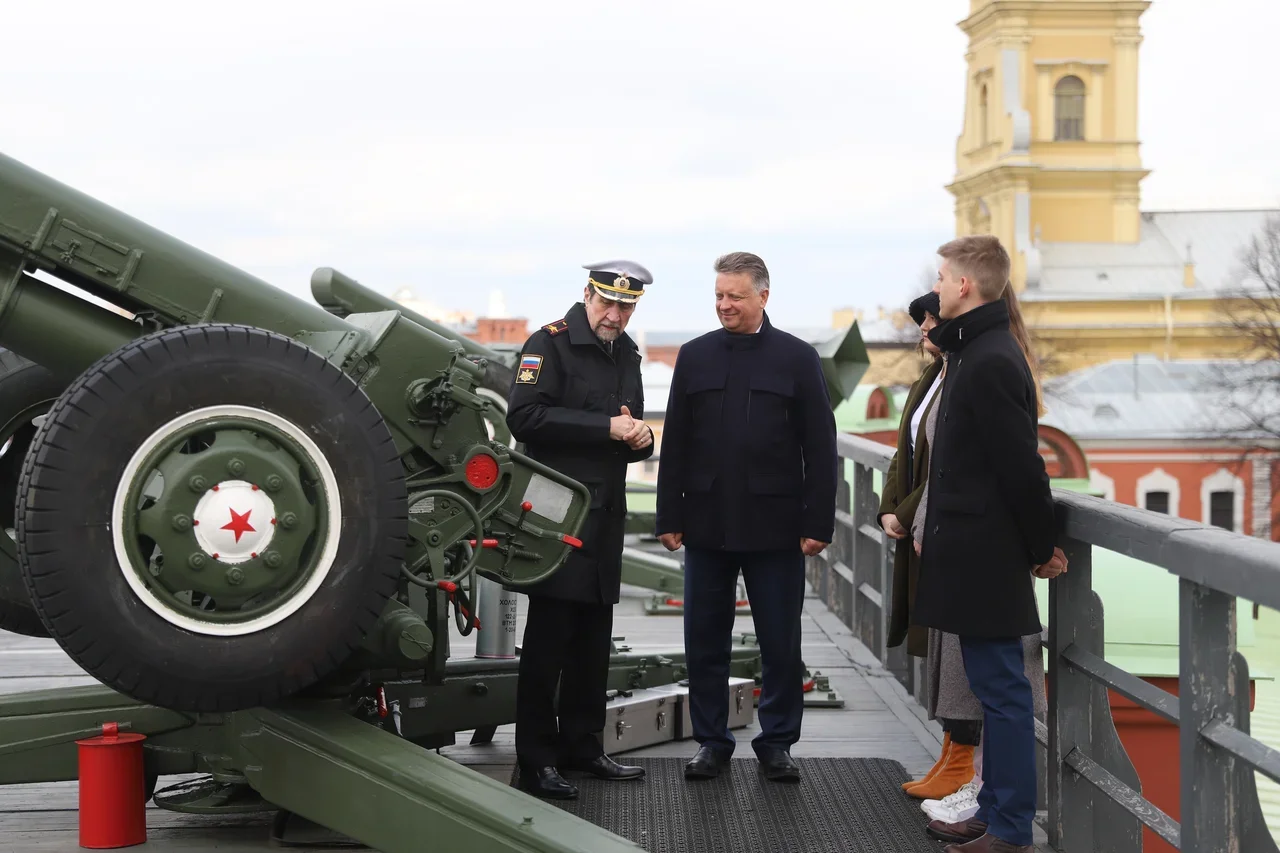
x=1068, y=108
x=982, y=116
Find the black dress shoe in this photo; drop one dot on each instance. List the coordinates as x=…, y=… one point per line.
x=707, y=764
x=546, y=782
x=604, y=767
x=777, y=766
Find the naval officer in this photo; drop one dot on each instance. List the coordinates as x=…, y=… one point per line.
x=577, y=404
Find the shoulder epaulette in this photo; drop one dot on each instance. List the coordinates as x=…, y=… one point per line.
x=557, y=327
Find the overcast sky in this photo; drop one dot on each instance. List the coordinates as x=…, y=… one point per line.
x=456, y=148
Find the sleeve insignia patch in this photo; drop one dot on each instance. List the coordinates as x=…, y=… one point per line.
x=527, y=372
x=557, y=327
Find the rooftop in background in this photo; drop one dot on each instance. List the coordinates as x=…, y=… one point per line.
x=1151, y=399
x=1212, y=240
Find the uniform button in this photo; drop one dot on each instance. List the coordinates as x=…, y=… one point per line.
x=935, y=528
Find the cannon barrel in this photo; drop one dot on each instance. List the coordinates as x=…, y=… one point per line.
x=125, y=262
x=342, y=295
x=60, y=331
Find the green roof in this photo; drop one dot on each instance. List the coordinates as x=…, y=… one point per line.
x=851, y=415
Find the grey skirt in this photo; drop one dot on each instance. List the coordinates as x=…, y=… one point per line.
x=947, y=691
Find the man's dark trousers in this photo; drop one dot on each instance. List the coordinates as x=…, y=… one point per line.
x=998, y=677
x=566, y=641
x=775, y=585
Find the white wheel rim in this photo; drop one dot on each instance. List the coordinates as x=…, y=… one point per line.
x=328, y=552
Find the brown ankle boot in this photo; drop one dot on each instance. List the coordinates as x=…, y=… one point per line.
x=957, y=770
x=933, y=771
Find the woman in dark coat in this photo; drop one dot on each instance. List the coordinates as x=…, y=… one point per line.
x=905, y=481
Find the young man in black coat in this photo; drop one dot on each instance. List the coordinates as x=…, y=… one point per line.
x=747, y=483
x=989, y=523
x=577, y=403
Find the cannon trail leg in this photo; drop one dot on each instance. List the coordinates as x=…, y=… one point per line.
x=38, y=731
x=393, y=796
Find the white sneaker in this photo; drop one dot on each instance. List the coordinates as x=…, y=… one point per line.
x=961, y=805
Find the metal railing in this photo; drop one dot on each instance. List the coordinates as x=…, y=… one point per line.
x=1093, y=794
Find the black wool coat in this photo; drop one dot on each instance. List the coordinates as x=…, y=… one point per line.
x=990, y=515
x=568, y=384
x=748, y=444
x=903, y=487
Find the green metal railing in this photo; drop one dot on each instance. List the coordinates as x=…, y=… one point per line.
x=1092, y=794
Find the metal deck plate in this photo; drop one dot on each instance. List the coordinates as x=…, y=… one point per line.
x=841, y=805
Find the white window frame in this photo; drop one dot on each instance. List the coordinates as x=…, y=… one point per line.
x=1160, y=480
x=1102, y=483
x=1223, y=480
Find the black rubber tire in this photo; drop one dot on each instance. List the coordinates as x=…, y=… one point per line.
x=18, y=618
x=24, y=386
x=69, y=483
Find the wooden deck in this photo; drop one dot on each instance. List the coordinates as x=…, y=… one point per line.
x=878, y=719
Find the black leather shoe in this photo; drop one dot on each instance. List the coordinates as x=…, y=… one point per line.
x=546, y=782
x=777, y=766
x=707, y=764
x=604, y=767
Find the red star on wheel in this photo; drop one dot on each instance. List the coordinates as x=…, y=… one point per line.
x=239, y=524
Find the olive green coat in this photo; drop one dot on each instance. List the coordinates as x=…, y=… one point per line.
x=903, y=487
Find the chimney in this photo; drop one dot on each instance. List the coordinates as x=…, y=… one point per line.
x=1189, y=269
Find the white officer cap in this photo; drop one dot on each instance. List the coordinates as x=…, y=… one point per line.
x=621, y=281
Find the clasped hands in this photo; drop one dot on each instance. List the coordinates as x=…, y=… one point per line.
x=634, y=432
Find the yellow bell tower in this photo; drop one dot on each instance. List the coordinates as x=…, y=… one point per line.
x=1049, y=147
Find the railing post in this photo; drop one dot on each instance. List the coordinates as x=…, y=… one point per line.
x=1070, y=827
x=1255, y=837
x=897, y=661
x=841, y=592
x=1080, y=721
x=1210, y=796
x=869, y=617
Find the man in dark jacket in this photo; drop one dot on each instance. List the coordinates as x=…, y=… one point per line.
x=577, y=404
x=747, y=483
x=989, y=522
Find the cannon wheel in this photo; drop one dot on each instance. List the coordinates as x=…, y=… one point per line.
x=212, y=518
x=28, y=391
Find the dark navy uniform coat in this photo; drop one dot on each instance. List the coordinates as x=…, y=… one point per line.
x=568, y=385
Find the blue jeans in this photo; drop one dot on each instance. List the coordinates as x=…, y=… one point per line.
x=998, y=677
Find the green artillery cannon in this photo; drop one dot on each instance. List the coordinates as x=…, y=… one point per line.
x=249, y=517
